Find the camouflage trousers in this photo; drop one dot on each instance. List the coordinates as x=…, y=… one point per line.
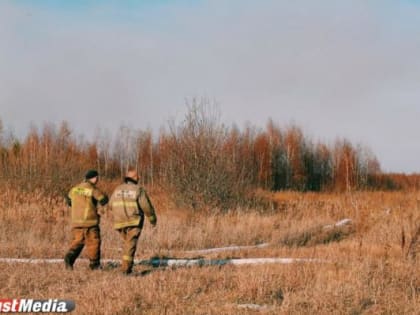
x=130, y=235
x=90, y=237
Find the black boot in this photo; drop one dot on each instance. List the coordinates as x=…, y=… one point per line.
x=94, y=265
x=68, y=261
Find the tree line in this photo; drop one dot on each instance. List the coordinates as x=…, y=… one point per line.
x=199, y=159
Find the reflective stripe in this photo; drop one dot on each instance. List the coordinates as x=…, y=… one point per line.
x=83, y=223
x=133, y=222
x=124, y=204
x=128, y=258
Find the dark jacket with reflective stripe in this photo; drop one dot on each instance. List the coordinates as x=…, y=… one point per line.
x=84, y=199
x=129, y=202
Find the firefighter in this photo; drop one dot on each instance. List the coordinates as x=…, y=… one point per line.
x=83, y=200
x=129, y=204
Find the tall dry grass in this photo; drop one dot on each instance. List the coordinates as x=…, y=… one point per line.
x=368, y=271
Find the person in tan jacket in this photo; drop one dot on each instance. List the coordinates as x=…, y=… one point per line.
x=83, y=200
x=129, y=204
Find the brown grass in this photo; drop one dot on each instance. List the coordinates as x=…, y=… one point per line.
x=368, y=270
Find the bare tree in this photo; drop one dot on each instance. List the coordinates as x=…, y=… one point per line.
x=199, y=170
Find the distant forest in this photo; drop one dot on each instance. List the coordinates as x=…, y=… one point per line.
x=199, y=157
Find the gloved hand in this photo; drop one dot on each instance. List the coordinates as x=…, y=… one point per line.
x=153, y=220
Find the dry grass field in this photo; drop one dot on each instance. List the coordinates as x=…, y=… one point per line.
x=365, y=268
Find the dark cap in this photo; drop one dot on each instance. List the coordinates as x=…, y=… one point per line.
x=91, y=174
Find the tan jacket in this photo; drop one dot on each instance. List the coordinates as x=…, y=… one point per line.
x=84, y=199
x=129, y=203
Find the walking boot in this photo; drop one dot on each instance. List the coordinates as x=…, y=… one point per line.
x=68, y=262
x=126, y=267
x=94, y=265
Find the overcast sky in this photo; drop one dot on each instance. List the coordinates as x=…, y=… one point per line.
x=335, y=68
